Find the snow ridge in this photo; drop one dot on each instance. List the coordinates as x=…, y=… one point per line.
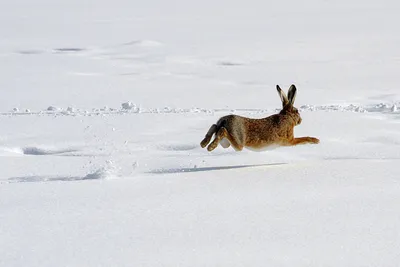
x=131, y=108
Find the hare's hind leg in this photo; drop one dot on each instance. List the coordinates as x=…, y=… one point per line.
x=221, y=134
x=208, y=136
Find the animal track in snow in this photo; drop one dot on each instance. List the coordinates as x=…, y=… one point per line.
x=178, y=147
x=37, y=151
x=68, y=50
x=230, y=63
x=30, y=52
x=144, y=43
x=99, y=174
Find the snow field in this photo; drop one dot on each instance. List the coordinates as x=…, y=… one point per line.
x=103, y=106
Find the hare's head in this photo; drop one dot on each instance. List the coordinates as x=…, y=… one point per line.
x=287, y=103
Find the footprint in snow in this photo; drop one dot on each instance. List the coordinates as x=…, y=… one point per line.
x=100, y=174
x=64, y=50
x=38, y=151
x=30, y=52
x=177, y=147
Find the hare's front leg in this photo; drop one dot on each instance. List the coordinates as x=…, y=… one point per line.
x=304, y=140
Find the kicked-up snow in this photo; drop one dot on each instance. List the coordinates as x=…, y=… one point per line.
x=103, y=106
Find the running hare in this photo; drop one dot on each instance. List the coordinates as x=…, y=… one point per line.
x=258, y=134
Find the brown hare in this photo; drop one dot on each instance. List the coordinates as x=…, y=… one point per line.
x=259, y=134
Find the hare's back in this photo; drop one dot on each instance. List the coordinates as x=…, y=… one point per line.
x=231, y=122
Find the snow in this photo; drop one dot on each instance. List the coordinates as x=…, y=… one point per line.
x=103, y=108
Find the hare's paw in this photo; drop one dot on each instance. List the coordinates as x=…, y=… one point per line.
x=314, y=140
x=208, y=136
x=204, y=142
x=212, y=146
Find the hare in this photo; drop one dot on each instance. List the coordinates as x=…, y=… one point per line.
x=259, y=134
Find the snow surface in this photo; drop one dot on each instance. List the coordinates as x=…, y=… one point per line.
x=103, y=106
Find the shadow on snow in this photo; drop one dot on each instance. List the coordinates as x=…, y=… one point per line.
x=206, y=169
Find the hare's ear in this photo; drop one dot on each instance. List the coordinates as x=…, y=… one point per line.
x=292, y=94
x=283, y=96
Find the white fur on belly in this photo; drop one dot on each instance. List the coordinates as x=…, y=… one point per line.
x=264, y=148
x=225, y=143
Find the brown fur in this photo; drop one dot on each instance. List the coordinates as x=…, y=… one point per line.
x=276, y=129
